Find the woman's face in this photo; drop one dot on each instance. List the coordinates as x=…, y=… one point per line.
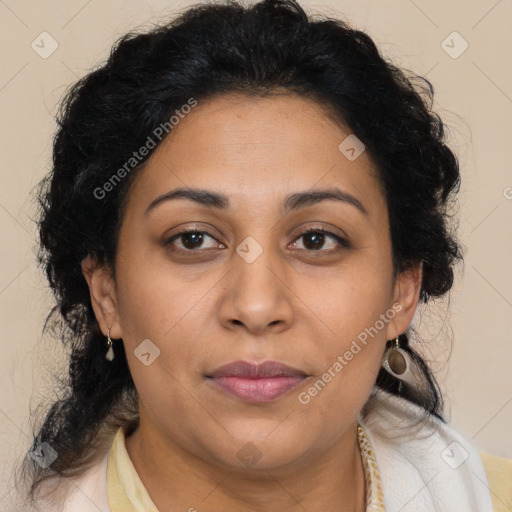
x=247, y=285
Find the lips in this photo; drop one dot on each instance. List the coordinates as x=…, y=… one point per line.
x=256, y=382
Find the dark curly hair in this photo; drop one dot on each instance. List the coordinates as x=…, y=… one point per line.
x=208, y=50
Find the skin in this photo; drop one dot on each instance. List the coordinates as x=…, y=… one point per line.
x=294, y=304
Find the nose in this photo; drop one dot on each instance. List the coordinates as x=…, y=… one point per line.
x=257, y=296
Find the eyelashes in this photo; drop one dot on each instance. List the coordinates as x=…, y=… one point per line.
x=342, y=243
x=192, y=240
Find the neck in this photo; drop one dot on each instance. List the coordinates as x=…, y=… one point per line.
x=179, y=480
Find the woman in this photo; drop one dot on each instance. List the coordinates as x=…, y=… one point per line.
x=246, y=207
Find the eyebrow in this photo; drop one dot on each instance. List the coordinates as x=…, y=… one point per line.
x=294, y=201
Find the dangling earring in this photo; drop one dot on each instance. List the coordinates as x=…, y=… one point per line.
x=397, y=362
x=110, y=352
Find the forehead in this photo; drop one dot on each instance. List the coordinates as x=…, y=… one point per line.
x=258, y=149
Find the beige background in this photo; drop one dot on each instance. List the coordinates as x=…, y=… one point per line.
x=474, y=96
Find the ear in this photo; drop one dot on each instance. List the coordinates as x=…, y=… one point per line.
x=405, y=299
x=103, y=296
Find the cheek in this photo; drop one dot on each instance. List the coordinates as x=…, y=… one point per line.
x=355, y=310
x=350, y=359
x=353, y=298
x=153, y=300
x=162, y=307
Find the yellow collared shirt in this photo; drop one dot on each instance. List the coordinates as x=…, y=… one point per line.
x=126, y=492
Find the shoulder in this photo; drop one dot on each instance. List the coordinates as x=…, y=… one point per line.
x=414, y=447
x=86, y=492
x=499, y=475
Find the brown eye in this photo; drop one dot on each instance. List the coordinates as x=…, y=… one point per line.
x=192, y=240
x=315, y=239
